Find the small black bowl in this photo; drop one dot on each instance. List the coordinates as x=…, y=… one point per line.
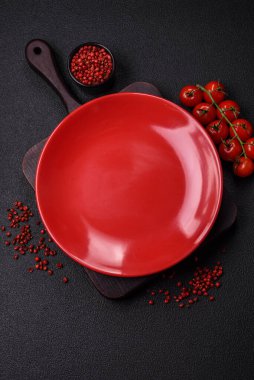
x=100, y=86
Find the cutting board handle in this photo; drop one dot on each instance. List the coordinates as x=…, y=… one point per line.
x=41, y=58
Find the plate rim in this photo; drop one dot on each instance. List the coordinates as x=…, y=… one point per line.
x=162, y=100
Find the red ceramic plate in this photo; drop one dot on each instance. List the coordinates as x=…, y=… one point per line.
x=129, y=184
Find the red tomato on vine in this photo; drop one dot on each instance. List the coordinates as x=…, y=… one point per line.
x=243, y=129
x=230, y=109
x=190, y=96
x=217, y=130
x=205, y=113
x=230, y=150
x=217, y=90
x=243, y=167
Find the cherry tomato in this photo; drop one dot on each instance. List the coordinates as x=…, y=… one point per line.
x=205, y=113
x=230, y=149
x=190, y=96
x=217, y=90
x=249, y=148
x=218, y=130
x=243, y=128
x=230, y=109
x=243, y=167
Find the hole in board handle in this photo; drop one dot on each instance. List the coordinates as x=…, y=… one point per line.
x=37, y=50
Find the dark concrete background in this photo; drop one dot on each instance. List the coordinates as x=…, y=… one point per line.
x=52, y=331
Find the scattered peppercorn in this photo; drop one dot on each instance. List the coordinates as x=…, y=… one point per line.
x=65, y=280
x=18, y=217
x=203, y=281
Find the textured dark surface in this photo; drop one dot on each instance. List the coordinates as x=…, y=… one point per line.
x=52, y=331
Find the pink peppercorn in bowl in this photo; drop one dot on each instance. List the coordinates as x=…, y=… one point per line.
x=92, y=65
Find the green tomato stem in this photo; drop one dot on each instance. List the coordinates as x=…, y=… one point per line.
x=224, y=116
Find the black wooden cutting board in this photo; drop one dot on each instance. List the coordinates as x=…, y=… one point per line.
x=109, y=286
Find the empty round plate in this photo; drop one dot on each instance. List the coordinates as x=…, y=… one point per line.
x=129, y=184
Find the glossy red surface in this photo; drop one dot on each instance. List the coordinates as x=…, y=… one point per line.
x=129, y=184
